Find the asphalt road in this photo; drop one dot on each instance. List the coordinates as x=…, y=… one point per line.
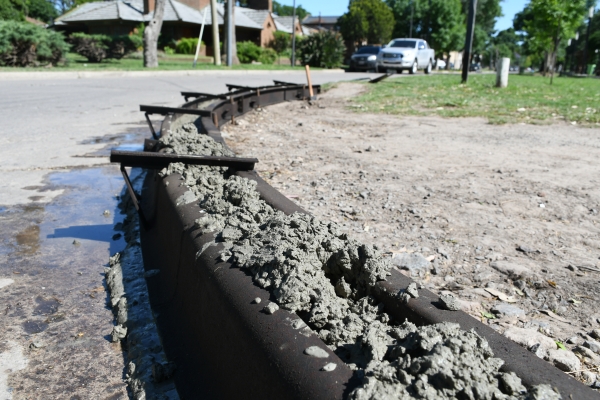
x=58, y=212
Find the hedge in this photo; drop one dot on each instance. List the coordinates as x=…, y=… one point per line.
x=23, y=44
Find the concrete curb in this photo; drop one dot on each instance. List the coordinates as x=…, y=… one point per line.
x=34, y=75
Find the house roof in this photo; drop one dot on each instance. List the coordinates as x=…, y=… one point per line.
x=316, y=20
x=133, y=10
x=284, y=23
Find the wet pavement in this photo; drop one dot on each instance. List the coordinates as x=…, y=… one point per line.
x=55, y=313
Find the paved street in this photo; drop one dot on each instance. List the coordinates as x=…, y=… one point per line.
x=57, y=214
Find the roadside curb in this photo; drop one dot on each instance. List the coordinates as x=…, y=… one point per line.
x=146, y=74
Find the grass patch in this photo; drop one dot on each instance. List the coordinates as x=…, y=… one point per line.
x=529, y=99
x=172, y=62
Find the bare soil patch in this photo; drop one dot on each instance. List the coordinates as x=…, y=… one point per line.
x=507, y=215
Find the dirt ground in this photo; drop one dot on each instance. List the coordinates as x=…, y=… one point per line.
x=507, y=215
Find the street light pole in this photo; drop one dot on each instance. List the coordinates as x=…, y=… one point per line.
x=294, y=35
x=587, y=38
x=469, y=40
x=229, y=28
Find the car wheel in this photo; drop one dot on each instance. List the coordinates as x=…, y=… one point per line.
x=428, y=68
x=413, y=69
x=400, y=71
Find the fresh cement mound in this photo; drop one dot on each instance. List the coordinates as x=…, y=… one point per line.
x=314, y=269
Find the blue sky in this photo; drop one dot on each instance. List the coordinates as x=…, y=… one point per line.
x=339, y=7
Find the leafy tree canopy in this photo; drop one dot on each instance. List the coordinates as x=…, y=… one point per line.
x=42, y=10
x=11, y=10
x=440, y=22
x=367, y=20
x=488, y=11
x=287, y=11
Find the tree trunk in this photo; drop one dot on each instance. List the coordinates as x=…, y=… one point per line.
x=215, y=32
x=234, y=58
x=151, y=34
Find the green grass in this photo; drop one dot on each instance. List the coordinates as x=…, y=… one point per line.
x=529, y=99
x=173, y=62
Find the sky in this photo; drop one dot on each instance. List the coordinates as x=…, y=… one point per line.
x=339, y=7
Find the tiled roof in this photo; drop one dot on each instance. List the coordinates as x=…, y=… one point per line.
x=312, y=20
x=284, y=23
x=133, y=10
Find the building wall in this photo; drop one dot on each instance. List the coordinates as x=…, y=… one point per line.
x=268, y=32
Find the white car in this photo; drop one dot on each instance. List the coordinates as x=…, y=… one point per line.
x=440, y=64
x=406, y=54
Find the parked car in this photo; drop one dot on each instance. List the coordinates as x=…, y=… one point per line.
x=440, y=64
x=406, y=54
x=475, y=67
x=364, y=59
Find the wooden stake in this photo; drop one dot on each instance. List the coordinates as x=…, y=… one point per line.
x=310, y=88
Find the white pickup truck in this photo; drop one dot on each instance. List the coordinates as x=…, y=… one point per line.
x=406, y=54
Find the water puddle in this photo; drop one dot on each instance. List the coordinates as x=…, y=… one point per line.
x=131, y=140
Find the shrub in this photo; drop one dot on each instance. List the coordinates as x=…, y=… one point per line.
x=323, y=49
x=93, y=47
x=122, y=45
x=187, y=46
x=268, y=56
x=23, y=44
x=169, y=50
x=98, y=47
x=248, y=52
x=281, y=42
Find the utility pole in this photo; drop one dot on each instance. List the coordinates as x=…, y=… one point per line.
x=229, y=35
x=587, y=38
x=215, y=32
x=469, y=40
x=294, y=35
x=412, y=13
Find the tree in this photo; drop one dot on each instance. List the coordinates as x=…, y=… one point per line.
x=553, y=21
x=488, y=11
x=440, y=22
x=370, y=21
x=42, y=10
x=151, y=34
x=288, y=11
x=11, y=10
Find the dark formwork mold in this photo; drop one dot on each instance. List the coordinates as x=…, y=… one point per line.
x=222, y=342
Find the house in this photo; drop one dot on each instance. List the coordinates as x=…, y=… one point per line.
x=321, y=23
x=182, y=18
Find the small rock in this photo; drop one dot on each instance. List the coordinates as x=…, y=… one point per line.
x=271, y=308
x=584, y=351
x=510, y=269
x=364, y=195
x=36, y=345
x=529, y=338
x=298, y=324
x=541, y=194
x=404, y=297
x=565, y=360
x=526, y=249
x=588, y=377
x=449, y=302
x=414, y=262
x=106, y=213
x=573, y=340
x=592, y=345
x=76, y=242
x=596, y=385
x=329, y=367
x=316, y=351
x=595, y=333
x=507, y=310
x=257, y=300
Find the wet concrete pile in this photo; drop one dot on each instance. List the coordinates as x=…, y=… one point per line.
x=314, y=269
